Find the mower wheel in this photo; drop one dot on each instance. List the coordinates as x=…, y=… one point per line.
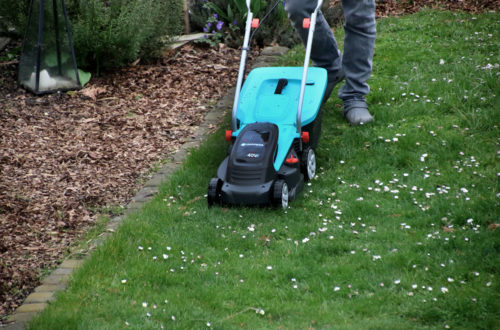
x=214, y=192
x=280, y=194
x=308, y=163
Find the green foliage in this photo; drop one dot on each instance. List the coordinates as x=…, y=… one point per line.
x=112, y=34
x=276, y=29
x=235, y=10
x=84, y=77
x=233, y=14
x=220, y=32
x=13, y=15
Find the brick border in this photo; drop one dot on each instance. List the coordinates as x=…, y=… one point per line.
x=57, y=281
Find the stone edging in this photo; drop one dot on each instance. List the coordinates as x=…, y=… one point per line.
x=57, y=281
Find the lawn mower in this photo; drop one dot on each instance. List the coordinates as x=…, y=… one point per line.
x=275, y=128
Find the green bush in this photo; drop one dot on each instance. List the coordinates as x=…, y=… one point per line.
x=13, y=15
x=208, y=14
x=198, y=14
x=109, y=34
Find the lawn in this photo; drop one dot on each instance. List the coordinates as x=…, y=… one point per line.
x=396, y=231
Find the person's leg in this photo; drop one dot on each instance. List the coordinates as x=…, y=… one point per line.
x=359, y=44
x=324, y=52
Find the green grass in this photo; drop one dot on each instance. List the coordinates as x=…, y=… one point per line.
x=392, y=234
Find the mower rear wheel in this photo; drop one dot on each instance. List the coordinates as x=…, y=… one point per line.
x=308, y=163
x=280, y=194
x=214, y=192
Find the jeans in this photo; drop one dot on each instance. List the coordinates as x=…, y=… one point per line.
x=359, y=43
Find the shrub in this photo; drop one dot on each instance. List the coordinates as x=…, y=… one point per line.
x=277, y=28
x=198, y=14
x=13, y=15
x=109, y=34
x=233, y=13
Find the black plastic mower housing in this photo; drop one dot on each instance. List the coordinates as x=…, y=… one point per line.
x=252, y=157
x=248, y=173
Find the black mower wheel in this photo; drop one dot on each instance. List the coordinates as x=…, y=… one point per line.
x=280, y=194
x=214, y=192
x=308, y=163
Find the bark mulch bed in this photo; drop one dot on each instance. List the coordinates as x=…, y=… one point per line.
x=64, y=156
x=401, y=7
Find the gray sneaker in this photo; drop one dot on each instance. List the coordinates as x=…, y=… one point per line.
x=356, y=112
x=333, y=80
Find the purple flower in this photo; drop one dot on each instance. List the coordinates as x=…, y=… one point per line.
x=235, y=22
x=219, y=25
x=209, y=24
x=216, y=16
x=205, y=29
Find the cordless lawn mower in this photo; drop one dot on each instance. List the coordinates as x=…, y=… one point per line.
x=275, y=128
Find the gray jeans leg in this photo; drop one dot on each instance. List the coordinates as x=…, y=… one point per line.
x=359, y=42
x=359, y=45
x=324, y=53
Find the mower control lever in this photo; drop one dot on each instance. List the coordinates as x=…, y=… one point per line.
x=281, y=84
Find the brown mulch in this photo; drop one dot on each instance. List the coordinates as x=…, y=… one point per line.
x=401, y=7
x=62, y=156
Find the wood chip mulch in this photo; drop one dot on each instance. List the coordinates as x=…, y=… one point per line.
x=402, y=7
x=62, y=156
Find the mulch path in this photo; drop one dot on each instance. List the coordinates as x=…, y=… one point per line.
x=64, y=156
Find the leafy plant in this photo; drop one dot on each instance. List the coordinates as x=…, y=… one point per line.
x=13, y=15
x=236, y=10
x=112, y=34
x=220, y=31
x=233, y=14
x=84, y=77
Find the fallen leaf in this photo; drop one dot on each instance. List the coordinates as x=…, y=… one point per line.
x=494, y=226
x=92, y=92
x=448, y=229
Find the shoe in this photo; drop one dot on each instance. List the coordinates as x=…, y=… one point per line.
x=333, y=80
x=356, y=112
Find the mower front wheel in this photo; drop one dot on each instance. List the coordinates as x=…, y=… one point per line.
x=280, y=194
x=214, y=195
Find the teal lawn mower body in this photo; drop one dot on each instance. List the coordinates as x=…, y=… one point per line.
x=276, y=125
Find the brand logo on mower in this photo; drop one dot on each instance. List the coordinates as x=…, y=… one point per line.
x=253, y=155
x=252, y=144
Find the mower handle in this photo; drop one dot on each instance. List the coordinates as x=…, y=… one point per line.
x=245, y=50
x=312, y=27
x=241, y=72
